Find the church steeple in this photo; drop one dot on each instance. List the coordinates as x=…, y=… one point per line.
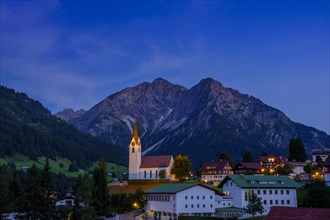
x=134, y=154
x=135, y=132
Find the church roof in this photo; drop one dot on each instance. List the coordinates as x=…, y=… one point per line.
x=155, y=161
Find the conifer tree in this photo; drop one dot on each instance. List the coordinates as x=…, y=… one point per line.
x=100, y=194
x=297, y=150
x=247, y=157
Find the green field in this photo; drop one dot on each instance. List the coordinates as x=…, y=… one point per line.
x=60, y=165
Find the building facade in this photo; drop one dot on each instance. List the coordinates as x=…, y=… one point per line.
x=171, y=200
x=273, y=190
x=215, y=171
x=271, y=162
x=147, y=167
x=248, y=168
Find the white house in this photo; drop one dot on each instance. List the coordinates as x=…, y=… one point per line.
x=171, y=200
x=147, y=167
x=297, y=169
x=273, y=190
x=68, y=201
x=215, y=171
x=322, y=153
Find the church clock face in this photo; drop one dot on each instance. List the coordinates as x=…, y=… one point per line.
x=133, y=144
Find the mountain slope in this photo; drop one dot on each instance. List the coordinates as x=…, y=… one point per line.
x=202, y=121
x=27, y=128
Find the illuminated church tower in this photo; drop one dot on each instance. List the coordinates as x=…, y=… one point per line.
x=134, y=154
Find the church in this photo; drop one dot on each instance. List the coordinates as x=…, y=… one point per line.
x=147, y=167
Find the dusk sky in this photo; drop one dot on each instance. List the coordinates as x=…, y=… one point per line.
x=76, y=53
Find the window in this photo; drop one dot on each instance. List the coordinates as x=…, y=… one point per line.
x=186, y=206
x=150, y=174
x=276, y=202
x=282, y=192
x=246, y=196
x=156, y=174
x=282, y=202
x=192, y=197
x=265, y=202
x=186, y=197
x=287, y=192
x=218, y=202
x=145, y=174
x=210, y=197
x=270, y=191
x=197, y=205
x=197, y=197
x=133, y=150
x=288, y=202
x=275, y=192
x=203, y=197
x=271, y=202
x=192, y=206
x=258, y=191
x=265, y=192
x=211, y=205
x=203, y=205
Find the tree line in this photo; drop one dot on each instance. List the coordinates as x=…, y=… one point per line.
x=28, y=128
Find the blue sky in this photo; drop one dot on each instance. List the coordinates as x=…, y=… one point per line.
x=76, y=53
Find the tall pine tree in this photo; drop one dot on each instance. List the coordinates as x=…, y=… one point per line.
x=297, y=150
x=100, y=194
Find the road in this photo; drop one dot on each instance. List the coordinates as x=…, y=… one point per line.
x=126, y=216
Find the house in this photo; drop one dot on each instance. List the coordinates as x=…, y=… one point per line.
x=273, y=190
x=248, y=168
x=320, y=153
x=171, y=200
x=147, y=167
x=292, y=213
x=297, y=169
x=327, y=172
x=215, y=171
x=68, y=201
x=224, y=207
x=271, y=162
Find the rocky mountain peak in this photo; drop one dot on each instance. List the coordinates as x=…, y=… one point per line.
x=202, y=121
x=69, y=113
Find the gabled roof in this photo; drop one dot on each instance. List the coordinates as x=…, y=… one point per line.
x=175, y=188
x=257, y=181
x=214, y=165
x=277, y=158
x=250, y=166
x=293, y=213
x=155, y=161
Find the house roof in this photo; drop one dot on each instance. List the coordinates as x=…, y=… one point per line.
x=250, y=166
x=293, y=213
x=277, y=158
x=214, y=165
x=155, y=161
x=256, y=181
x=175, y=188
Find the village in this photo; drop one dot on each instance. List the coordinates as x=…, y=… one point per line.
x=223, y=190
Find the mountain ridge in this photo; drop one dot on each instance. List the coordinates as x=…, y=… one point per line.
x=202, y=121
x=28, y=128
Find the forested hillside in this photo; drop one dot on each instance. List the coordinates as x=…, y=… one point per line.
x=28, y=128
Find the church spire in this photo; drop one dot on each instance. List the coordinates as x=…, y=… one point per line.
x=135, y=132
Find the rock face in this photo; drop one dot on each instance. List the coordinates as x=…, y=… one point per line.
x=202, y=121
x=69, y=113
